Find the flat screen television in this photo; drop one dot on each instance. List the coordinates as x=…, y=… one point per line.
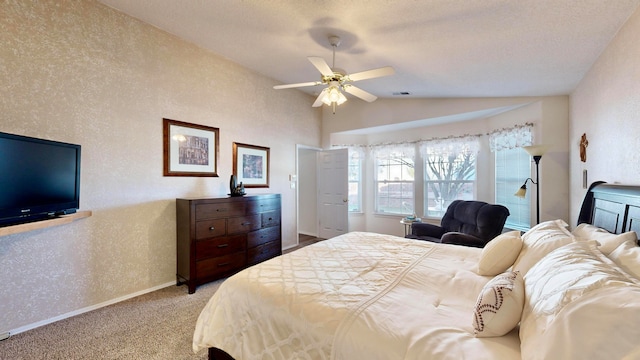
x=39, y=179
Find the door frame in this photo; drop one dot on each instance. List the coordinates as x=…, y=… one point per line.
x=300, y=147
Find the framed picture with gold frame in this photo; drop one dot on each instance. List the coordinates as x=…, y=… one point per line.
x=251, y=165
x=189, y=149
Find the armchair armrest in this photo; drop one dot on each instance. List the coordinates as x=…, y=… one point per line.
x=425, y=229
x=458, y=238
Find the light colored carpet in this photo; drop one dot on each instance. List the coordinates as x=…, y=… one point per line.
x=158, y=325
x=154, y=326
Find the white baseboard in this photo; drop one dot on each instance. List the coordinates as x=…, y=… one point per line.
x=87, y=309
x=289, y=247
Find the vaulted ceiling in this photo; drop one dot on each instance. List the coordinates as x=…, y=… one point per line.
x=439, y=48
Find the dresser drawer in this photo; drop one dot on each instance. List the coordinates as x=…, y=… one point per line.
x=212, y=235
x=258, y=206
x=262, y=236
x=219, y=210
x=210, y=228
x=220, y=246
x=219, y=265
x=263, y=252
x=271, y=218
x=243, y=224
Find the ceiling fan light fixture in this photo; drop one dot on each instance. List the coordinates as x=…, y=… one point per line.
x=334, y=96
x=338, y=80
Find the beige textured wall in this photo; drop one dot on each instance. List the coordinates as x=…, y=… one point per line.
x=79, y=72
x=606, y=106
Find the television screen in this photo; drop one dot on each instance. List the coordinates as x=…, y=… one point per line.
x=38, y=178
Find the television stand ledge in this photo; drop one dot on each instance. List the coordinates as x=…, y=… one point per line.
x=64, y=219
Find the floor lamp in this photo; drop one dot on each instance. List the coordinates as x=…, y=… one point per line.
x=536, y=151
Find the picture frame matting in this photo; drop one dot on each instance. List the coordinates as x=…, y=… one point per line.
x=251, y=165
x=189, y=149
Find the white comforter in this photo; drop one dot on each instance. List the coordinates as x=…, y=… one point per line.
x=357, y=296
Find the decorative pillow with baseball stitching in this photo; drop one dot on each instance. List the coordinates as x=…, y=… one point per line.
x=499, y=306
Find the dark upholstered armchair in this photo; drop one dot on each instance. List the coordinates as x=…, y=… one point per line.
x=469, y=223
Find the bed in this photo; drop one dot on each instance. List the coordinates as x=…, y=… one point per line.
x=553, y=292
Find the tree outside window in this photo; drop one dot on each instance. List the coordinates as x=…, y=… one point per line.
x=450, y=174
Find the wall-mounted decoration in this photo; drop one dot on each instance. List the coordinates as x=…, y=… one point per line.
x=583, y=147
x=189, y=149
x=251, y=165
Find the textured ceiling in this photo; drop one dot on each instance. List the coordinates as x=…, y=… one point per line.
x=439, y=48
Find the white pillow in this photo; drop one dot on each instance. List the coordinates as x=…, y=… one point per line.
x=499, y=305
x=608, y=241
x=627, y=256
x=500, y=253
x=541, y=240
x=579, y=305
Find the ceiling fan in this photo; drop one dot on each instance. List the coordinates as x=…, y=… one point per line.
x=338, y=80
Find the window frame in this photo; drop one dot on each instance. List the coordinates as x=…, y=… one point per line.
x=443, y=149
x=358, y=174
x=388, y=154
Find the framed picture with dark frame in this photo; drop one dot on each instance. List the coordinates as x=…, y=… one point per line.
x=251, y=165
x=189, y=149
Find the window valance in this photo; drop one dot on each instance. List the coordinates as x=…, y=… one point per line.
x=511, y=138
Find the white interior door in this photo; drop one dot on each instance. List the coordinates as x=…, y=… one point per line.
x=333, y=193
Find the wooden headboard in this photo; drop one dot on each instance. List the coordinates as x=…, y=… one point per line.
x=615, y=208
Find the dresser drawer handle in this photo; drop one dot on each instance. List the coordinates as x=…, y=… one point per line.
x=246, y=223
x=221, y=210
x=224, y=264
x=223, y=245
x=212, y=228
x=270, y=219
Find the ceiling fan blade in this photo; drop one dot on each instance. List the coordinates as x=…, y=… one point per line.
x=370, y=74
x=359, y=93
x=321, y=65
x=318, y=101
x=288, y=86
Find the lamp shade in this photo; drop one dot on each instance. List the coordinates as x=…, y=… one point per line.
x=536, y=150
x=522, y=192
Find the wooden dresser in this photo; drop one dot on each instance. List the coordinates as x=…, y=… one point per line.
x=220, y=236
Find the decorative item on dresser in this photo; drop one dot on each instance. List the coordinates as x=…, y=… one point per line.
x=217, y=237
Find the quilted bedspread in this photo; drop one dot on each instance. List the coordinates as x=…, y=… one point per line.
x=356, y=296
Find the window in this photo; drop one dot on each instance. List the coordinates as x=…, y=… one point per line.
x=450, y=174
x=395, y=171
x=356, y=157
x=513, y=167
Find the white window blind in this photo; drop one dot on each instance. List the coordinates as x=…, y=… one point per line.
x=513, y=167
